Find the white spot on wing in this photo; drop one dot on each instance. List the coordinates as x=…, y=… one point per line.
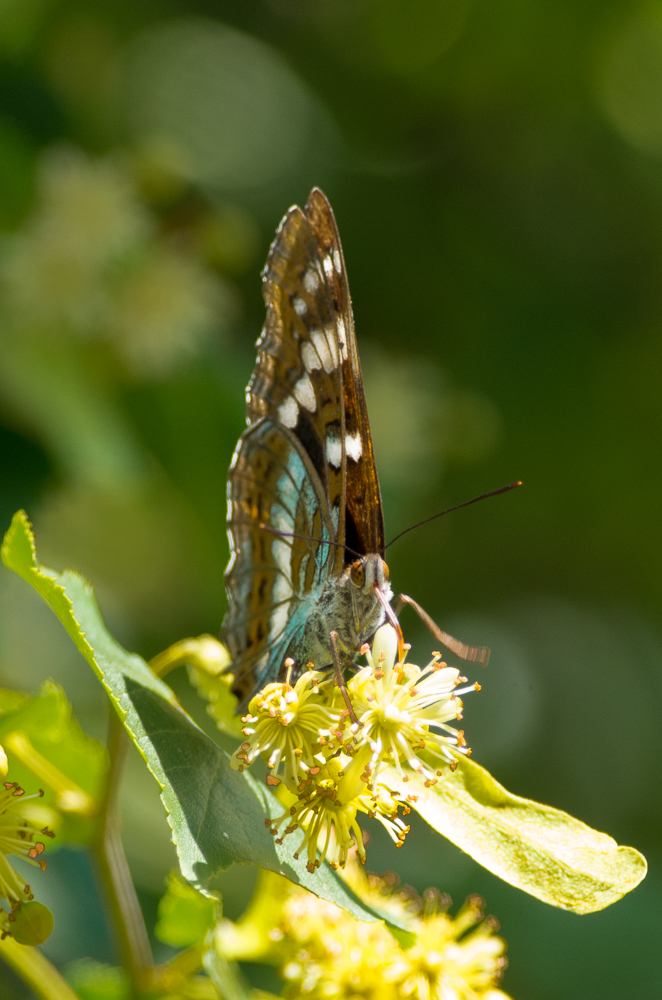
x=311, y=280
x=337, y=261
x=334, y=452
x=300, y=306
x=282, y=590
x=328, y=266
x=305, y=393
x=342, y=337
x=288, y=412
x=353, y=446
x=332, y=341
x=321, y=344
x=282, y=553
x=309, y=357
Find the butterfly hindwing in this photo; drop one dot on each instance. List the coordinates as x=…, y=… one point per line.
x=273, y=482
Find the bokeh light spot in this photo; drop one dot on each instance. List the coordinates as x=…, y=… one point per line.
x=231, y=102
x=631, y=80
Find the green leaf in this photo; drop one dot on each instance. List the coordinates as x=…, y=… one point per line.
x=185, y=915
x=534, y=847
x=47, y=749
x=217, y=814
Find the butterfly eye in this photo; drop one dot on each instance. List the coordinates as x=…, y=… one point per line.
x=357, y=574
x=385, y=570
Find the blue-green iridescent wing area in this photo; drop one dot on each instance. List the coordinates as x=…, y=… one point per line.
x=271, y=580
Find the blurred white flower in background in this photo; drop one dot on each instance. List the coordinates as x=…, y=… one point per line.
x=91, y=262
x=87, y=218
x=166, y=309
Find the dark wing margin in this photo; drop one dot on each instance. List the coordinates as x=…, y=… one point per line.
x=364, y=525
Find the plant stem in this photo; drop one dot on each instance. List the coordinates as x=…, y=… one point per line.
x=36, y=971
x=114, y=873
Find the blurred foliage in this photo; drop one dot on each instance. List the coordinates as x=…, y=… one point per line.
x=495, y=171
x=46, y=748
x=185, y=915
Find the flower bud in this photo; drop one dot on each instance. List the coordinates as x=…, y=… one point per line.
x=32, y=923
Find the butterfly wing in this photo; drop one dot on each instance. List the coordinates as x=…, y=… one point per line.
x=364, y=518
x=298, y=375
x=306, y=413
x=272, y=481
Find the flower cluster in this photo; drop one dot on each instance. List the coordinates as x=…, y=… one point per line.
x=332, y=763
x=320, y=951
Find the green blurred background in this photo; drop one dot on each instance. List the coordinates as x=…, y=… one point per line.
x=496, y=173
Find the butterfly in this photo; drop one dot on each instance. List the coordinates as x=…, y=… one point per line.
x=307, y=581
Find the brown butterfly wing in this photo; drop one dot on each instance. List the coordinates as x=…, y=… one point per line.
x=364, y=525
x=298, y=375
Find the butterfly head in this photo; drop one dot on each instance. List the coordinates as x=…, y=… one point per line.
x=369, y=570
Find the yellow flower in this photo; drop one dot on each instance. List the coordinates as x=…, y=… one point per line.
x=322, y=952
x=447, y=963
x=398, y=706
x=334, y=956
x=290, y=726
x=329, y=824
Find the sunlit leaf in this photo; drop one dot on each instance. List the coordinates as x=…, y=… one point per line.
x=537, y=848
x=217, y=814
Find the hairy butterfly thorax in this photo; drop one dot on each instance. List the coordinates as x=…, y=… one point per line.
x=307, y=577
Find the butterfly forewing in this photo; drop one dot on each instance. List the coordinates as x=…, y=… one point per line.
x=364, y=515
x=297, y=378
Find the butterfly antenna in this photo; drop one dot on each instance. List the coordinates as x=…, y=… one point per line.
x=467, y=503
x=308, y=538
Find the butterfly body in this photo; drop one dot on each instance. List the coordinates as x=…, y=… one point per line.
x=349, y=607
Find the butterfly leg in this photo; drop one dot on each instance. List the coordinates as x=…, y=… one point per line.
x=471, y=654
x=340, y=680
